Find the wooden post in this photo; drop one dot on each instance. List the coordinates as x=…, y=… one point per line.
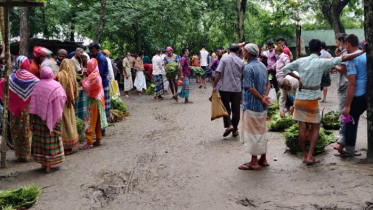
x=6, y=37
x=297, y=39
x=6, y=87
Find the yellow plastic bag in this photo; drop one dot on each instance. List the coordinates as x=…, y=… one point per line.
x=114, y=88
x=217, y=107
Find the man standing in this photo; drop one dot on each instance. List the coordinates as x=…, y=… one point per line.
x=271, y=55
x=171, y=57
x=140, y=81
x=40, y=54
x=254, y=106
x=282, y=43
x=61, y=54
x=157, y=73
x=94, y=49
x=127, y=74
x=355, y=101
x=342, y=84
x=203, y=60
x=229, y=75
x=306, y=106
x=184, y=72
x=166, y=84
x=78, y=60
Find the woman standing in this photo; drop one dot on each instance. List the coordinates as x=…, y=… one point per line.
x=255, y=103
x=66, y=76
x=46, y=106
x=21, y=85
x=95, y=116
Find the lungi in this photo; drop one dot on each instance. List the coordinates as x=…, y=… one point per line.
x=254, y=132
x=307, y=111
x=140, y=82
x=158, y=85
x=184, y=92
x=128, y=83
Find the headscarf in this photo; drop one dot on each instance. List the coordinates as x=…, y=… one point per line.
x=252, y=49
x=21, y=85
x=67, y=77
x=52, y=64
x=48, y=98
x=40, y=51
x=169, y=49
x=92, y=85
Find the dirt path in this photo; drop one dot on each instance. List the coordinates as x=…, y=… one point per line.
x=171, y=156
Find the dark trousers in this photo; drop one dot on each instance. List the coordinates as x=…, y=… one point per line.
x=274, y=81
x=231, y=101
x=358, y=106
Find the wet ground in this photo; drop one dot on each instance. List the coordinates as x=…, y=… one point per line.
x=169, y=155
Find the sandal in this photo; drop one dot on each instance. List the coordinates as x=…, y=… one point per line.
x=235, y=135
x=343, y=155
x=85, y=147
x=96, y=143
x=200, y=87
x=247, y=166
x=227, y=132
x=314, y=161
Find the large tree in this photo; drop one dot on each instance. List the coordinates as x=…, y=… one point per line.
x=24, y=31
x=332, y=10
x=368, y=26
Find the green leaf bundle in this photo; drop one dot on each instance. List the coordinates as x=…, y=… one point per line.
x=292, y=140
x=172, y=69
x=117, y=103
x=81, y=130
x=272, y=110
x=78, y=78
x=21, y=197
x=331, y=120
x=151, y=89
x=278, y=124
x=198, y=71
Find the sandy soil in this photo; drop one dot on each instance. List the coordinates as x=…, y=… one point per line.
x=169, y=155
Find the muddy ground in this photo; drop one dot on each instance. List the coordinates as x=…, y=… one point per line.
x=169, y=155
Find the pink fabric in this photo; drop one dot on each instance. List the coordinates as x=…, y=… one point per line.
x=48, y=98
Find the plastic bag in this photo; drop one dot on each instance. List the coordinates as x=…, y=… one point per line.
x=272, y=94
x=114, y=88
x=217, y=107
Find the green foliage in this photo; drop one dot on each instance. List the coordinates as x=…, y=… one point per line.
x=272, y=110
x=78, y=78
x=81, y=131
x=21, y=197
x=331, y=120
x=151, y=89
x=172, y=69
x=278, y=124
x=117, y=103
x=292, y=140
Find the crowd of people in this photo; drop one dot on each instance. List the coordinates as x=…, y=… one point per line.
x=45, y=97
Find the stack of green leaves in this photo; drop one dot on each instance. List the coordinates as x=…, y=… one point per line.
x=151, y=89
x=117, y=103
x=278, y=124
x=331, y=120
x=272, y=110
x=198, y=71
x=172, y=69
x=292, y=140
x=78, y=78
x=21, y=197
x=81, y=131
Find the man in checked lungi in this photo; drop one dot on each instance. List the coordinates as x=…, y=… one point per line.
x=306, y=105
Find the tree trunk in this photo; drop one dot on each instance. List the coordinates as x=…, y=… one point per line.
x=2, y=28
x=368, y=27
x=101, y=21
x=6, y=86
x=332, y=12
x=137, y=37
x=241, y=8
x=24, y=32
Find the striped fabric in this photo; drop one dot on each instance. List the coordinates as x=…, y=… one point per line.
x=184, y=91
x=307, y=111
x=254, y=132
x=107, y=101
x=47, y=147
x=81, y=105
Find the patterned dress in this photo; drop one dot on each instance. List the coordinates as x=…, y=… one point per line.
x=20, y=133
x=47, y=146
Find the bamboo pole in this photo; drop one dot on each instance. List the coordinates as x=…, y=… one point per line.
x=6, y=86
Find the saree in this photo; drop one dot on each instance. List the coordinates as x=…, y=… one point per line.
x=92, y=86
x=66, y=76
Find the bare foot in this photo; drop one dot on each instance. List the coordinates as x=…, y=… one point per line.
x=249, y=166
x=338, y=147
x=48, y=169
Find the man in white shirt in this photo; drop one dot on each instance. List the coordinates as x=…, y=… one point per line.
x=157, y=64
x=203, y=60
x=78, y=60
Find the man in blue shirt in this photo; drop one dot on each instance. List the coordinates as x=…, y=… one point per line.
x=94, y=52
x=356, y=101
